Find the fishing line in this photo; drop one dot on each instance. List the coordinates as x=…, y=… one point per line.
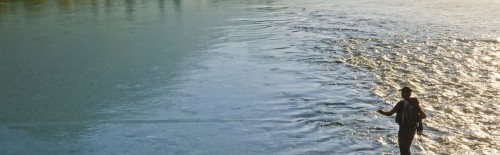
x=158, y=121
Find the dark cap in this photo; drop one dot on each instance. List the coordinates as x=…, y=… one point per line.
x=405, y=89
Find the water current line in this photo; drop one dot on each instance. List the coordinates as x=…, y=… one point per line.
x=158, y=121
x=355, y=99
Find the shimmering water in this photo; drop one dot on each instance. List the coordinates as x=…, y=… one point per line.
x=245, y=77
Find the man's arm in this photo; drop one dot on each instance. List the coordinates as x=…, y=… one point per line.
x=392, y=111
x=420, y=111
x=420, y=126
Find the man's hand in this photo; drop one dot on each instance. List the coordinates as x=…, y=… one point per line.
x=420, y=127
x=381, y=111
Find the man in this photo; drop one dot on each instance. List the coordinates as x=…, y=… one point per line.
x=409, y=116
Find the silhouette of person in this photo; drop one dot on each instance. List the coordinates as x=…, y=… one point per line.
x=406, y=131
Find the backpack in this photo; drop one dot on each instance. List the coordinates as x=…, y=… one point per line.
x=408, y=116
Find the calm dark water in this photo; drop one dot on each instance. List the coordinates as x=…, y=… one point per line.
x=245, y=77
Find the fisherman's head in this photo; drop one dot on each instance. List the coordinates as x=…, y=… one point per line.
x=405, y=92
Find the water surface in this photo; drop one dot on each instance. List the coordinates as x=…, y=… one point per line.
x=245, y=77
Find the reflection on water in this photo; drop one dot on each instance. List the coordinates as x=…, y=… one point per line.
x=177, y=4
x=453, y=68
x=38, y=6
x=64, y=65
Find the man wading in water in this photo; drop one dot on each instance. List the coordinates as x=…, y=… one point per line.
x=409, y=117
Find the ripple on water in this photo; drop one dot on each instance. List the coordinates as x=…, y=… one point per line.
x=456, y=79
x=450, y=80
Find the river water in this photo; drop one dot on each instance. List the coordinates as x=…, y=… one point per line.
x=246, y=77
